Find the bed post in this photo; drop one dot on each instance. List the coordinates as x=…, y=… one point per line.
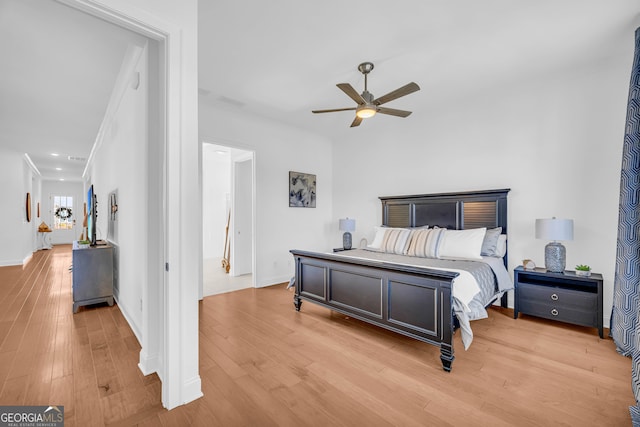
x=446, y=323
x=297, y=301
x=446, y=355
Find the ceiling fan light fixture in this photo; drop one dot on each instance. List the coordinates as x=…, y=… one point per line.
x=366, y=111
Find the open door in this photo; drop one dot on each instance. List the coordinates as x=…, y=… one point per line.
x=242, y=211
x=228, y=186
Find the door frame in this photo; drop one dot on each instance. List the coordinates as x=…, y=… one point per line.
x=170, y=324
x=250, y=153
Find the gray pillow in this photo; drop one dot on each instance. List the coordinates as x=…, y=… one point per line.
x=490, y=242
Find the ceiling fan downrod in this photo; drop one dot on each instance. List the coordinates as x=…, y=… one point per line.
x=365, y=68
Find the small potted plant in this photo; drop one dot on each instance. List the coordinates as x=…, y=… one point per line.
x=583, y=270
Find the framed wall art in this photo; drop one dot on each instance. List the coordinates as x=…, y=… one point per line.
x=28, y=207
x=112, y=225
x=302, y=190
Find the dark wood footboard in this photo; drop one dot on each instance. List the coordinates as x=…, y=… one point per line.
x=412, y=301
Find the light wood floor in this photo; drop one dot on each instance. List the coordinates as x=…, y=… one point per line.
x=264, y=364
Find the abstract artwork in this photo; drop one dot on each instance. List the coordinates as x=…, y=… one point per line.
x=302, y=190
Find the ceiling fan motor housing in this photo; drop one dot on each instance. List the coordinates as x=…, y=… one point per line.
x=368, y=97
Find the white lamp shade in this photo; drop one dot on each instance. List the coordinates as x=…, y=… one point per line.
x=347, y=224
x=554, y=229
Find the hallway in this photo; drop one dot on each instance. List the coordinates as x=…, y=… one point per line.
x=87, y=362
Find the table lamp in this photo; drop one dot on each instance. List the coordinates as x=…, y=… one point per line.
x=347, y=225
x=554, y=252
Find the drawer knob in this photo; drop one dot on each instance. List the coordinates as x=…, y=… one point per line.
x=554, y=312
x=554, y=297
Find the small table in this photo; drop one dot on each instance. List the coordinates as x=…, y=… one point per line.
x=565, y=296
x=43, y=240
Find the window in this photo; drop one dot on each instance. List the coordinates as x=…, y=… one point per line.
x=63, y=213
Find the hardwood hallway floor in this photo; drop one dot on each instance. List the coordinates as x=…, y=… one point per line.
x=264, y=364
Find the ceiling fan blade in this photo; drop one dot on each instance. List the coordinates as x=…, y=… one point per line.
x=351, y=93
x=333, y=110
x=393, y=112
x=404, y=90
x=356, y=122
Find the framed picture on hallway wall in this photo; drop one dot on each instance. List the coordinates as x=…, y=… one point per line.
x=302, y=190
x=28, y=207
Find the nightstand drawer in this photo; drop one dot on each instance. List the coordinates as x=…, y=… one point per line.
x=557, y=297
x=563, y=314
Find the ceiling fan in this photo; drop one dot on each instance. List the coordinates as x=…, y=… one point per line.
x=367, y=105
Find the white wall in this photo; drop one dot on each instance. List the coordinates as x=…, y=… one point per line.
x=17, y=236
x=279, y=149
x=555, y=140
x=120, y=164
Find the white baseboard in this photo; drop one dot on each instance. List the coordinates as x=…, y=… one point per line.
x=134, y=328
x=273, y=281
x=192, y=390
x=13, y=262
x=149, y=364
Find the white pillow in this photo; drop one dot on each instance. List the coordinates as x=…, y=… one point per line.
x=462, y=244
x=378, y=237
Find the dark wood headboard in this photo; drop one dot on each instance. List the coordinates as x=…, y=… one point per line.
x=458, y=211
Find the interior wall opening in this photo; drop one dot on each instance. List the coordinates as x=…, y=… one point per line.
x=228, y=219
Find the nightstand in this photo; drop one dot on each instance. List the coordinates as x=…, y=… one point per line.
x=559, y=296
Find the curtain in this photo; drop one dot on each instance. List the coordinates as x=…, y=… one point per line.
x=626, y=299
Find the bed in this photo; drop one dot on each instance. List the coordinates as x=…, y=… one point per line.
x=402, y=288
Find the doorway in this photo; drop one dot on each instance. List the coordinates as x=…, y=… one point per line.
x=168, y=332
x=228, y=219
x=61, y=209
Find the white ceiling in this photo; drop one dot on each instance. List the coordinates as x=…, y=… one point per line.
x=58, y=69
x=282, y=58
